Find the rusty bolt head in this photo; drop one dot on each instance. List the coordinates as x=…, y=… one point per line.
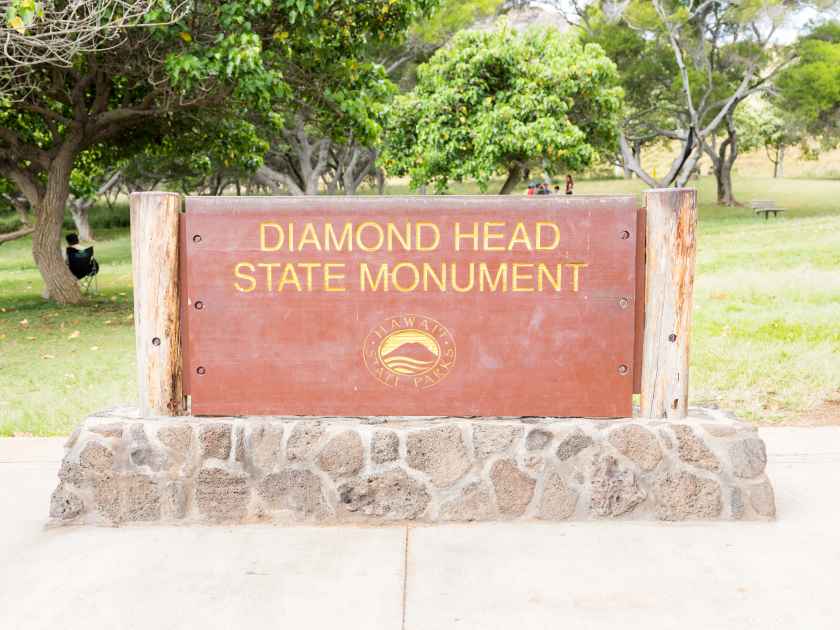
x=197, y=238
x=625, y=235
x=199, y=305
x=623, y=369
x=624, y=302
x=156, y=341
x=200, y=370
x=672, y=337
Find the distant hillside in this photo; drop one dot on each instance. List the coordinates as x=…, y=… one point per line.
x=521, y=17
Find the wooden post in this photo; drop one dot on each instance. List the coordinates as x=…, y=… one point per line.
x=669, y=282
x=154, y=255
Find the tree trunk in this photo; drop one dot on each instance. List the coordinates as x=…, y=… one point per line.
x=380, y=181
x=331, y=185
x=357, y=164
x=313, y=176
x=61, y=285
x=778, y=165
x=724, y=186
x=726, y=196
x=513, y=178
x=687, y=168
x=81, y=218
x=637, y=154
x=723, y=174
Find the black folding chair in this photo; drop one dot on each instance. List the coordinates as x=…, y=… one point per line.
x=84, y=266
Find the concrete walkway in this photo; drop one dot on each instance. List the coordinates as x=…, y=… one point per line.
x=514, y=577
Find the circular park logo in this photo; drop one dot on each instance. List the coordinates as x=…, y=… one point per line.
x=409, y=351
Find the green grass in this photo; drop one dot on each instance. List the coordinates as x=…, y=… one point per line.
x=766, y=331
x=766, y=338
x=59, y=363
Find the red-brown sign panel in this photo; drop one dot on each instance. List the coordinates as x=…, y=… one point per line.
x=431, y=305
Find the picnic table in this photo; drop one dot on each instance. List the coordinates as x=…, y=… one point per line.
x=765, y=207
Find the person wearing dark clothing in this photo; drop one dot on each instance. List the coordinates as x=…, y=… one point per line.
x=570, y=185
x=79, y=259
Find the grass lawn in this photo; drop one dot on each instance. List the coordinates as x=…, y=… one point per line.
x=766, y=340
x=59, y=363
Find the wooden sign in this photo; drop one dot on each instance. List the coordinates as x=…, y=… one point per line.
x=433, y=305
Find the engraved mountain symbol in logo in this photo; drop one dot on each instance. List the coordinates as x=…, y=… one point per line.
x=409, y=352
x=409, y=358
x=412, y=350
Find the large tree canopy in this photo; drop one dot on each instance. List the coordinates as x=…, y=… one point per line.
x=504, y=102
x=231, y=53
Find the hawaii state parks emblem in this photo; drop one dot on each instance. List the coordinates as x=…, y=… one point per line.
x=409, y=351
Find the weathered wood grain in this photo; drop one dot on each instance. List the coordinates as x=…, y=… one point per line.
x=639, y=301
x=670, y=236
x=154, y=252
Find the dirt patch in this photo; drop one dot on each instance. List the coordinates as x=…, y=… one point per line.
x=826, y=414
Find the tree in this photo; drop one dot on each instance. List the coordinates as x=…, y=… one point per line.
x=310, y=142
x=778, y=130
x=723, y=52
x=503, y=102
x=328, y=141
x=202, y=152
x=140, y=68
x=809, y=90
x=742, y=131
x=646, y=69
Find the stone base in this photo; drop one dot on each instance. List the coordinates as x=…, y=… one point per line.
x=121, y=468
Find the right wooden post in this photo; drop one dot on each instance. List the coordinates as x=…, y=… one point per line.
x=671, y=249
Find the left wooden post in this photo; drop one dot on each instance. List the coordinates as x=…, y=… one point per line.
x=157, y=326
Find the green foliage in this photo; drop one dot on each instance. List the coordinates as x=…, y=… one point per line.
x=776, y=129
x=493, y=101
x=192, y=147
x=647, y=72
x=20, y=14
x=254, y=55
x=810, y=88
x=752, y=123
